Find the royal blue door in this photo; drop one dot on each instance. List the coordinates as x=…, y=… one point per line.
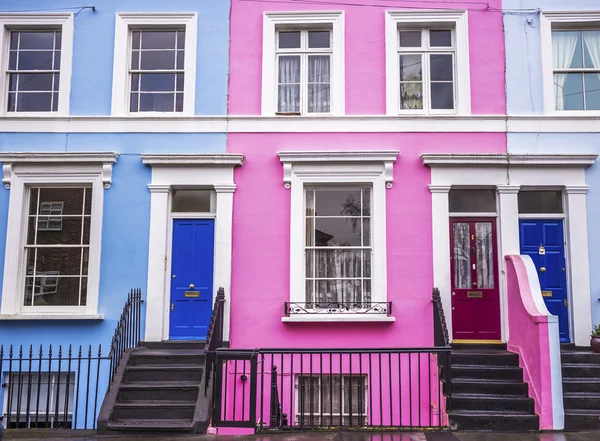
x=544, y=241
x=191, y=278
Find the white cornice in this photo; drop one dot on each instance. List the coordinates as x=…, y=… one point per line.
x=199, y=159
x=540, y=160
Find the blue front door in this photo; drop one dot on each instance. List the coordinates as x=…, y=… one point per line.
x=191, y=278
x=544, y=241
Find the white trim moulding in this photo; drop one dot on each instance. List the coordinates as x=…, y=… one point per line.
x=209, y=159
x=474, y=160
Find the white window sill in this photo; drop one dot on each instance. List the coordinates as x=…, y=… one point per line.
x=51, y=316
x=315, y=318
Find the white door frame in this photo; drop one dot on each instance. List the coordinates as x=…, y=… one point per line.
x=214, y=171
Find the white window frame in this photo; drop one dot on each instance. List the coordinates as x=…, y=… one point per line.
x=125, y=23
x=24, y=170
x=276, y=21
x=457, y=21
x=12, y=21
x=566, y=19
x=303, y=169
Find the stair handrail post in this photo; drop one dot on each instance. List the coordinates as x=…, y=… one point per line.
x=440, y=329
x=275, y=407
x=214, y=337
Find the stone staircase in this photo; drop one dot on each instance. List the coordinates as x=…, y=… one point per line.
x=488, y=391
x=581, y=388
x=158, y=387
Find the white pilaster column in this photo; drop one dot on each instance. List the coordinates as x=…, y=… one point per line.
x=441, y=248
x=223, y=238
x=156, y=304
x=508, y=242
x=578, y=266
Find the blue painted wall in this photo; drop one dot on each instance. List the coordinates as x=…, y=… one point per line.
x=525, y=97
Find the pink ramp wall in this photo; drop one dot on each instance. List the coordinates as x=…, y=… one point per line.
x=533, y=334
x=365, y=52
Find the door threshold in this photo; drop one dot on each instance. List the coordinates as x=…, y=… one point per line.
x=477, y=342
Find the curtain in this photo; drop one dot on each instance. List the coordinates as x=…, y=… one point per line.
x=341, y=264
x=462, y=260
x=289, y=84
x=563, y=51
x=318, y=84
x=485, y=256
x=591, y=40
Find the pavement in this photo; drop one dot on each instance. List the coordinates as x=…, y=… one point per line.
x=48, y=435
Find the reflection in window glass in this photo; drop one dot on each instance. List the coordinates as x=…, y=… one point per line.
x=191, y=201
x=157, y=71
x=34, y=70
x=531, y=202
x=472, y=201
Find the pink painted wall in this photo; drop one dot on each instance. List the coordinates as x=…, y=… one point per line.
x=365, y=52
x=261, y=240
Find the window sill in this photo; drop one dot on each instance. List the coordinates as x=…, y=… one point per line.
x=314, y=318
x=51, y=316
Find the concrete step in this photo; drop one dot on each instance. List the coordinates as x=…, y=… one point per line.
x=163, y=372
x=582, y=400
x=580, y=370
x=500, y=387
x=581, y=385
x=157, y=390
x=153, y=410
x=485, y=357
x=175, y=356
x=579, y=357
x=175, y=344
x=156, y=425
x=492, y=402
x=582, y=419
x=487, y=372
x=510, y=421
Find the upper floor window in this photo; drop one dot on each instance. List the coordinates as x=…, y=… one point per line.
x=37, y=63
x=304, y=71
x=427, y=69
x=576, y=69
x=157, y=71
x=154, y=68
x=303, y=64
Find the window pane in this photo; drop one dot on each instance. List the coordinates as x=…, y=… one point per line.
x=36, y=40
x=336, y=264
x=58, y=40
x=592, y=91
x=441, y=38
x=135, y=39
x=180, y=60
x=568, y=90
x=318, y=39
x=442, y=95
x=33, y=82
x=135, y=60
x=197, y=201
x=540, y=201
x=14, y=40
x=288, y=99
x=334, y=202
x=72, y=198
x=289, y=73
x=180, y=82
x=157, y=102
x=152, y=60
x=461, y=255
x=318, y=98
x=60, y=291
x=441, y=67
x=158, y=39
x=485, y=255
x=54, y=261
x=411, y=96
x=133, y=106
x=410, y=38
x=343, y=291
x=566, y=49
x=34, y=102
x=591, y=49
x=338, y=232
x=12, y=60
x=472, y=201
x=289, y=40
x=289, y=69
x=179, y=102
x=35, y=60
x=157, y=82
x=180, y=39
x=411, y=68
x=319, y=69
x=12, y=102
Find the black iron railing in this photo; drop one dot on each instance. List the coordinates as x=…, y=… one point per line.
x=440, y=330
x=54, y=388
x=329, y=388
x=214, y=337
x=128, y=331
x=295, y=308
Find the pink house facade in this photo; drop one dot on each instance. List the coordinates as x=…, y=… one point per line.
x=375, y=171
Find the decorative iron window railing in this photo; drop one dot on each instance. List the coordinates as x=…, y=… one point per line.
x=297, y=308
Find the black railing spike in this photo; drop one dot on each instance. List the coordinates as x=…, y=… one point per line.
x=30, y=352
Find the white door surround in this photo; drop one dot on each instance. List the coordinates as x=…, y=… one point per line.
x=211, y=171
x=508, y=173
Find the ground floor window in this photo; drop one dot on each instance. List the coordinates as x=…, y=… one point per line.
x=331, y=400
x=39, y=400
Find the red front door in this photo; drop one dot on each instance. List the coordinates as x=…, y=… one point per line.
x=475, y=293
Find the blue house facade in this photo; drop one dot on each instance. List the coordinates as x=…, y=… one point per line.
x=553, y=104
x=112, y=122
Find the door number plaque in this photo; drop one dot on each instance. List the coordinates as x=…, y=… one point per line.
x=191, y=293
x=546, y=293
x=474, y=294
